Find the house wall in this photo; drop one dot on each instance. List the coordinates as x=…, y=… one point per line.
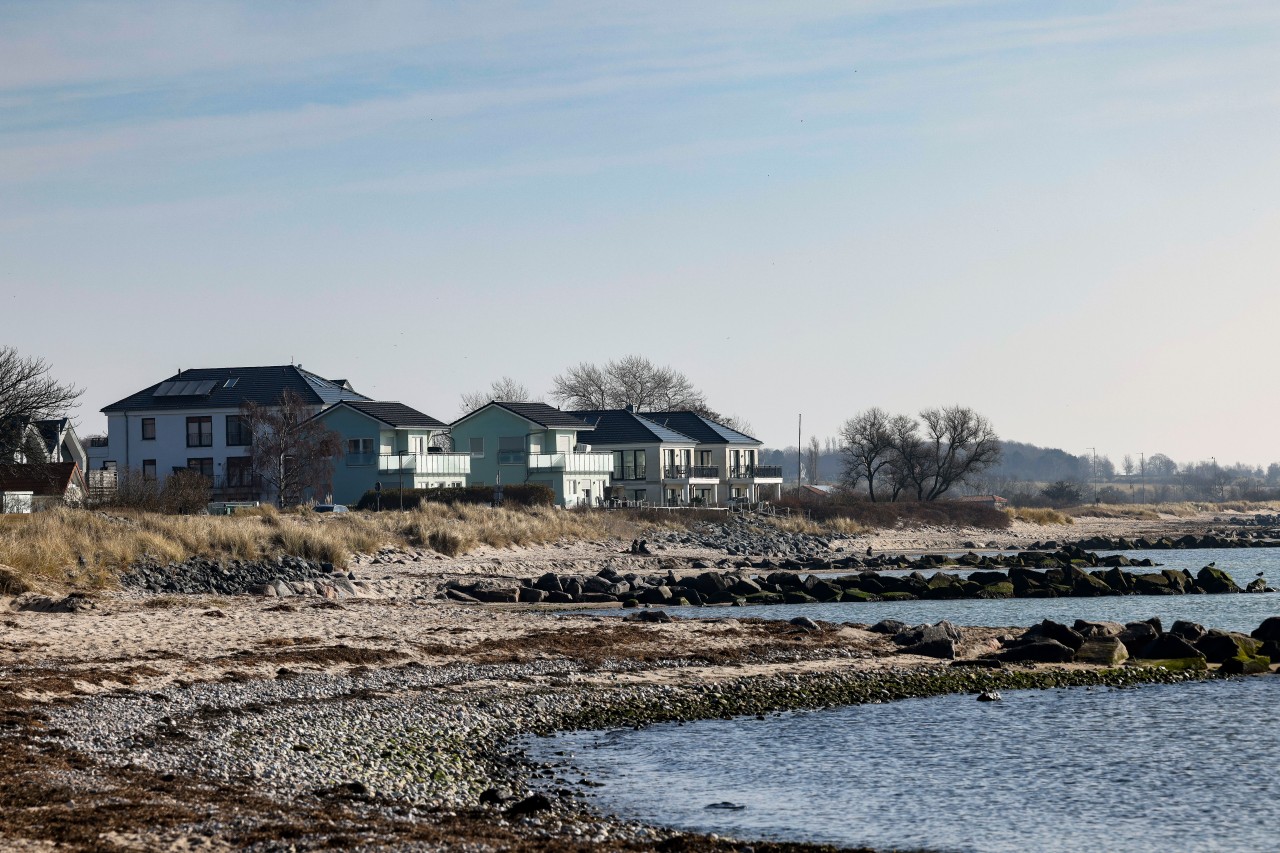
x=127, y=448
x=495, y=422
x=351, y=477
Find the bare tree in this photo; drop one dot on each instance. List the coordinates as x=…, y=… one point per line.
x=290, y=452
x=961, y=443
x=813, y=455
x=734, y=422
x=28, y=393
x=629, y=381
x=867, y=445
x=1127, y=465
x=504, y=389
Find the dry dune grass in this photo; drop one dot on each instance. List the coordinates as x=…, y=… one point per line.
x=837, y=525
x=1041, y=516
x=90, y=549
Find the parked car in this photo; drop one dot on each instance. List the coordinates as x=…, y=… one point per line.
x=330, y=508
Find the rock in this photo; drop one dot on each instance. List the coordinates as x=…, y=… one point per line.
x=531, y=804
x=1192, y=632
x=1089, y=630
x=217, y=614
x=657, y=616
x=76, y=602
x=531, y=595
x=1269, y=630
x=943, y=648
x=1217, y=646
x=1057, y=631
x=1137, y=635
x=1168, y=646
x=1042, y=650
x=891, y=626
x=1244, y=664
x=1103, y=651
x=990, y=696
x=1214, y=580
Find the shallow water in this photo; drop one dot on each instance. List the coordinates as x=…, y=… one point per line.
x=1183, y=767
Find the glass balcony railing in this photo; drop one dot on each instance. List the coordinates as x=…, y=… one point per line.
x=425, y=463
x=756, y=472
x=691, y=472
x=572, y=463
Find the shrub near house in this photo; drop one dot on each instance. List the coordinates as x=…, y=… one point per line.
x=519, y=494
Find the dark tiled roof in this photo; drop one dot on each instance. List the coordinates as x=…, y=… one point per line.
x=618, y=426
x=540, y=413
x=395, y=414
x=45, y=478
x=261, y=385
x=704, y=430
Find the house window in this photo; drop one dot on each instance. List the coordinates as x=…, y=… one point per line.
x=639, y=494
x=203, y=466
x=359, y=451
x=148, y=469
x=149, y=430
x=477, y=447
x=238, y=434
x=629, y=465
x=704, y=457
x=239, y=471
x=510, y=449
x=200, y=432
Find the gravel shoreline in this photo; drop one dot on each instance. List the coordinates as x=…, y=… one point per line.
x=416, y=741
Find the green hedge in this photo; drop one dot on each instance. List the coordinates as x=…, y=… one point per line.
x=518, y=494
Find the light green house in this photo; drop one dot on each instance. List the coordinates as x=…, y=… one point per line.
x=389, y=443
x=532, y=443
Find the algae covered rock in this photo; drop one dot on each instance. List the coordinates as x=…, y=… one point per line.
x=1042, y=650
x=1215, y=580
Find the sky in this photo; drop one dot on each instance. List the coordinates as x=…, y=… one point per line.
x=1063, y=215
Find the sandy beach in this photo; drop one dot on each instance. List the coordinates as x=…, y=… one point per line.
x=385, y=721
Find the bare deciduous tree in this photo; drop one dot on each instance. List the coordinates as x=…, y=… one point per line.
x=928, y=457
x=962, y=444
x=629, y=381
x=28, y=393
x=813, y=455
x=1127, y=465
x=505, y=389
x=290, y=453
x=867, y=445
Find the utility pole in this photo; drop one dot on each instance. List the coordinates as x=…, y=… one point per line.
x=799, y=453
x=1094, y=465
x=1142, y=469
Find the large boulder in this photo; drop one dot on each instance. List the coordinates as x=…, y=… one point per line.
x=1215, y=580
x=1104, y=651
x=942, y=647
x=1089, y=630
x=1217, y=646
x=1042, y=650
x=1192, y=632
x=1244, y=664
x=1137, y=635
x=1055, y=631
x=888, y=626
x=1168, y=646
x=1268, y=630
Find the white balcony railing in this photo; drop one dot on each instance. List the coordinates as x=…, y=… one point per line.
x=572, y=463
x=447, y=464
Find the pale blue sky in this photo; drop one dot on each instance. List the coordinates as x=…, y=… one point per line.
x=1062, y=214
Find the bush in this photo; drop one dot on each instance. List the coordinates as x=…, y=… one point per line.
x=520, y=494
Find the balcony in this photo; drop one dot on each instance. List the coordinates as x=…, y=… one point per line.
x=97, y=441
x=572, y=463
x=430, y=464
x=756, y=472
x=691, y=472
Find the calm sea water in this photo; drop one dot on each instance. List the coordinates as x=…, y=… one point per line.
x=1154, y=768
x=1229, y=612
